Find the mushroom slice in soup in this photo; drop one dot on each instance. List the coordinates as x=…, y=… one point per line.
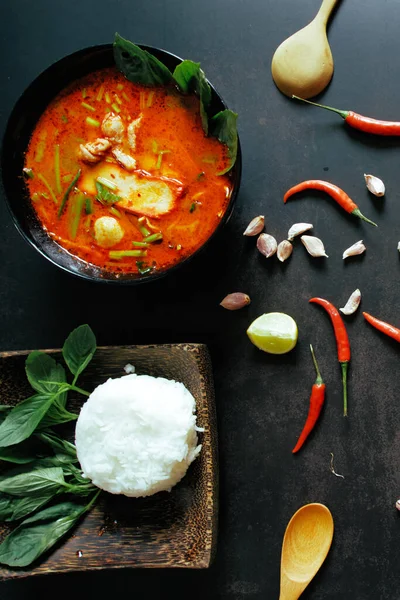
x=132, y=129
x=125, y=160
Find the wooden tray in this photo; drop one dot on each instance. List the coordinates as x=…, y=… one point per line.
x=176, y=529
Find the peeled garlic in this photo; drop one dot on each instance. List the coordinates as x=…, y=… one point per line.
x=354, y=250
x=267, y=244
x=298, y=229
x=285, y=249
x=352, y=303
x=398, y=246
x=375, y=185
x=314, y=246
x=235, y=301
x=255, y=226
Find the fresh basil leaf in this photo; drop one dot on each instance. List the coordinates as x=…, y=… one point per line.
x=37, y=534
x=79, y=348
x=139, y=66
x=105, y=196
x=223, y=127
x=13, y=508
x=58, y=444
x=191, y=79
x=23, y=419
x=22, y=453
x=56, y=415
x=33, y=482
x=4, y=408
x=40, y=369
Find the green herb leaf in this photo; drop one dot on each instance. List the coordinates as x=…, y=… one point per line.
x=13, y=508
x=223, y=127
x=34, y=482
x=40, y=369
x=37, y=534
x=139, y=66
x=22, y=453
x=78, y=349
x=191, y=79
x=23, y=419
x=56, y=415
x=105, y=196
x=57, y=444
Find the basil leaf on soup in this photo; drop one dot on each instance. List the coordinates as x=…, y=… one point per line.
x=23, y=419
x=33, y=482
x=37, y=534
x=41, y=369
x=78, y=349
x=191, y=79
x=105, y=196
x=13, y=508
x=139, y=66
x=223, y=127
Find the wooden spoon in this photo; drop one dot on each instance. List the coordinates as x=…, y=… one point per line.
x=303, y=65
x=306, y=544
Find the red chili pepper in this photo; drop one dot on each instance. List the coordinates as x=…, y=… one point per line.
x=360, y=122
x=342, y=341
x=386, y=328
x=334, y=191
x=317, y=399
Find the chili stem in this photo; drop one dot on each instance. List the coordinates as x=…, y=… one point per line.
x=343, y=113
x=359, y=214
x=319, y=377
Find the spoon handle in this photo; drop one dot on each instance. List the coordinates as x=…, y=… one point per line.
x=327, y=7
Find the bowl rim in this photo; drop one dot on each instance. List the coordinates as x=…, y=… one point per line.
x=136, y=280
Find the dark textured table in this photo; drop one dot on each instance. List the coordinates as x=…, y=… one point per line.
x=261, y=400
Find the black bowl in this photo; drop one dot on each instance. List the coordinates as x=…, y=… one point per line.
x=20, y=126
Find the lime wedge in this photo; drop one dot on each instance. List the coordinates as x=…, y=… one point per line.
x=274, y=332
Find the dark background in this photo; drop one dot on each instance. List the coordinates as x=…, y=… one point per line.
x=261, y=400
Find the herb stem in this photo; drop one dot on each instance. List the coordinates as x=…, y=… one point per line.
x=67, y=193
x=48, y=186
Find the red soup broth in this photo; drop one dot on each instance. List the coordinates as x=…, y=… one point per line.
x=176, y=168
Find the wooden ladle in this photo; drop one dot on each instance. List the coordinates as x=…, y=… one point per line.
x=303, y=65
x=306, y=544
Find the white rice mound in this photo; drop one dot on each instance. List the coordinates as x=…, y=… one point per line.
x=136, y=435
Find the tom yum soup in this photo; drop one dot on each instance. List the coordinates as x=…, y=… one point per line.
x=123, y=176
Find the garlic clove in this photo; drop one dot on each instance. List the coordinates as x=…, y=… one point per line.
x=352, y=303
x=314, y=246
x=255, y=226
x=285, y=249
x=398, y=246
x=266, y=244
x=298, y=229
x=354, y=250
x=375, y=185
x=235, y=301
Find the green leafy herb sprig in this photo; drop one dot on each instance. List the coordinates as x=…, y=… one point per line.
x=139, y=66
x=48, y=466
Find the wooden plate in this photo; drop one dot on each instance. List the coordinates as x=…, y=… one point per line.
x=176, y=529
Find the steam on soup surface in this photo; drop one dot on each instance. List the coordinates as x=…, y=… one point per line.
x=122, y=175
